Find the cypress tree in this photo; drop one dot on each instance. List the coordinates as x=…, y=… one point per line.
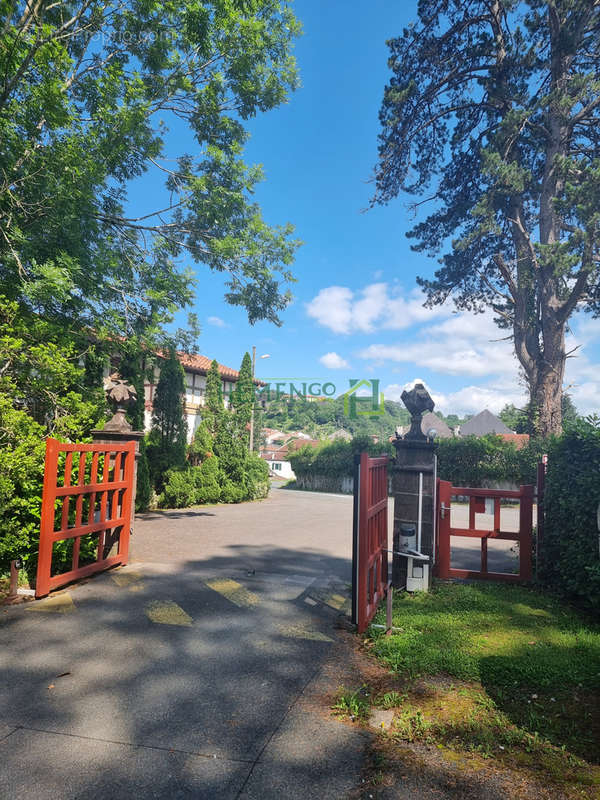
x=131, y=370
x=243, y=398
x=167, y=447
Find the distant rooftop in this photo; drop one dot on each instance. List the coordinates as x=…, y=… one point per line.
x=483, y=423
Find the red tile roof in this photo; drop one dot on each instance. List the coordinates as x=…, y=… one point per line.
x=518, y=439
x=201, y=364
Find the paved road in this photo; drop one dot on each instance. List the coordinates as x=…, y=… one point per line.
x=189, y=673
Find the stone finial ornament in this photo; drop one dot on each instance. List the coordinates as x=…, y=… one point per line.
x=417, y=401
x=120, y=395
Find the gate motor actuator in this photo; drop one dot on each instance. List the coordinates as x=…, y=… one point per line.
x=417, y=573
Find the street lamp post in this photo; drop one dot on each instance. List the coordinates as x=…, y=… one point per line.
x=266, y=355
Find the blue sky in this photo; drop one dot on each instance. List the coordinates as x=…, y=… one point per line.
x=356, y=310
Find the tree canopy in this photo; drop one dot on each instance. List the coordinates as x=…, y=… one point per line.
x=87, y=95
x=492, y=112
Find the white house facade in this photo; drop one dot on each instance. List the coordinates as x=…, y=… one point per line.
x=196, y=368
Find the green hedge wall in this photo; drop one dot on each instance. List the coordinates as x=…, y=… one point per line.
x=569, y=558
x=475, y=461
x=335, y=459
x=466, y=462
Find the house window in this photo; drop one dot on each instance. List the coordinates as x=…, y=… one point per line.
x=194, y=386
x=276, y=465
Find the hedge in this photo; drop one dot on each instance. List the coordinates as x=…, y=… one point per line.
x=335, y=459
x=469, y=461
x=484, y=460
x=569, y=559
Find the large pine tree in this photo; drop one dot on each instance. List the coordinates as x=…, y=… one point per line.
x=493, y=113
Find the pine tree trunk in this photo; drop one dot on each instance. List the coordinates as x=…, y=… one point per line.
x=547, y=386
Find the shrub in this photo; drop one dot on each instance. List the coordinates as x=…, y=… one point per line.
x=335, y=458
x=257, y=477
x=179, y=490
x=143, y=492
x=477, y=461
x=569, y=558
x=232, y=492
x=207, y=481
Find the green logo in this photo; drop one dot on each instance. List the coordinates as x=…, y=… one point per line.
x=357, y=405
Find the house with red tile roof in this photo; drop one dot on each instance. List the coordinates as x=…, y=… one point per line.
x=196, y=368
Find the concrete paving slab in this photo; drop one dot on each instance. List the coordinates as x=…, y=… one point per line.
x=310, y=756
x=72, y=768
x=218, y=688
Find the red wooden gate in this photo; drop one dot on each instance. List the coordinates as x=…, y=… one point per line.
x=99, y=479
x=370, y=539
x=477, y=504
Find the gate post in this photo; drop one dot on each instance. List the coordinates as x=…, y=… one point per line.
x=118, y=430
x=414, y=487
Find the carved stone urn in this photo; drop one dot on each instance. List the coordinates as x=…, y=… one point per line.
x=120, y=395
x=417, y=402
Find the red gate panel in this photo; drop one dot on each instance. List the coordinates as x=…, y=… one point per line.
x=476, y=502
x=88, y=489
x=370, y=557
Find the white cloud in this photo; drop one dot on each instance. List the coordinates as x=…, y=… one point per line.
x=376, y=306
x=333, y=361
x=394, y=391
x=217, y=322
x=464, y=344
x=468, y=400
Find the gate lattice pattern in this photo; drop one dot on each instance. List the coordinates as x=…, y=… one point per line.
x=88, y=489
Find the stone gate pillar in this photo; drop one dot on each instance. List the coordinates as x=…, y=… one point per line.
x=117, y=430
x=413, y=488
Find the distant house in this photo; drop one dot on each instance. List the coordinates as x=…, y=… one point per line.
x=429, y=422
x=483, y=423
x=277, y=459
x=277, y=456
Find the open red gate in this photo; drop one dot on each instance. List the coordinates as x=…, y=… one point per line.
x=370, y=538
x=477, y=504
x=99, y=479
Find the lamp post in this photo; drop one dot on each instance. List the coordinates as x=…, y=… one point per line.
x=266, y=355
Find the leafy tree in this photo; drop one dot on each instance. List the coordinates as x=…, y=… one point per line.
x=522, y=420
x=167, y=447
x=43, y=391
x=492, y=111
x=88, y=92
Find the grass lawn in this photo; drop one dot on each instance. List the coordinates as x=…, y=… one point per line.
x=501, y=670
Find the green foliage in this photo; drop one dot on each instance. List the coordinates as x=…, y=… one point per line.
x=213, y=410
x=242, y=400
x=220, y=467
x=43, y=391
x=524, y=420
x=131, y=370
x=257, y=477
x=481, y=460
x=143, y=491
x=335, y=458
x=167, y=440
x=353, y=703
x=513, y=172
x=569, y=559
x=201, y=446
x=88, y=94
x=322, y=418
x=532, y=655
